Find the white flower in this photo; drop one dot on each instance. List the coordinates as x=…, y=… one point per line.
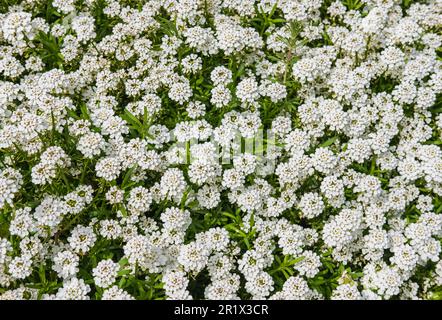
x=105, y=273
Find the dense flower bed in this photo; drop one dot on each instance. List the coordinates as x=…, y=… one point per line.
x=220, y=149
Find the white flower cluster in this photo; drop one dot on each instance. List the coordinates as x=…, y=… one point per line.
x=227, y=149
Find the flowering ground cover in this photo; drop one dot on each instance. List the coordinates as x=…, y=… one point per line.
x=220, y=149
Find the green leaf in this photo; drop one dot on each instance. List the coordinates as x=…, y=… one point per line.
x=123, y=262
x=328, y=142
x=132, y=120
x=127, y=176
x=123, y=272
x=295, y=261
